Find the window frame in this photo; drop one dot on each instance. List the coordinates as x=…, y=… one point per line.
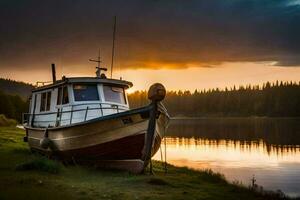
x=48, y=101
x=60, y=95
x=116, y=86
x=45, y=101
x=65, y=98
x=86, y=84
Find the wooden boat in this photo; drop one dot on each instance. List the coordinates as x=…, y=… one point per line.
x=87, y=120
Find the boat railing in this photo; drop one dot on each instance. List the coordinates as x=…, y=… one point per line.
x=83, y=114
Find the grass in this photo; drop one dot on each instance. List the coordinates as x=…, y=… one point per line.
x=27, y=176
x=40, y=164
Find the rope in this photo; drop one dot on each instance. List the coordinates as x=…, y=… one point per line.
x=165, y=141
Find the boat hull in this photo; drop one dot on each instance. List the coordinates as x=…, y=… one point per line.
x=117, y=137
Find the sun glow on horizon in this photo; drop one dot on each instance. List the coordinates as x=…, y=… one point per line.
x=219, y=76
x=225, y=75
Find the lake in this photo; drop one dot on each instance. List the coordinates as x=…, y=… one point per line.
x=267, y=149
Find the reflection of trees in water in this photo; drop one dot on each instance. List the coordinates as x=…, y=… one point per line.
x=279, y=150
x=274, y=132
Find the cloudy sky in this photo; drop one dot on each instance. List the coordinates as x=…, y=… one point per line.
x=198, y=43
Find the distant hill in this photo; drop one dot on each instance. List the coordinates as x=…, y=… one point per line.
x=15, y=88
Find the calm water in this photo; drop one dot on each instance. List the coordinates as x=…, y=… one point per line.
x=268, y=149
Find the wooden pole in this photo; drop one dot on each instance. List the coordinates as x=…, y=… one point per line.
x=53, y=73
x=150, y=136
x=156, y=93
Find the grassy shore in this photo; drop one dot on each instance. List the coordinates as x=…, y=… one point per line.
x=27, y=176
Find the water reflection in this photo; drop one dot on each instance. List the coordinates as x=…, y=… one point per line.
x=266, y=148
x=275, y=131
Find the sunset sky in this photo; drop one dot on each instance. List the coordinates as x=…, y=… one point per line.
x=183, y=44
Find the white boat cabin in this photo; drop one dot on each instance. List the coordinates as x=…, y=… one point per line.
x=75, y=100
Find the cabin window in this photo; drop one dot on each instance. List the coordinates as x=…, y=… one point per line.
x=59, y=96
x=62, y=95
x=114, y=94
x=85, y=92
x=48, y=102
x=45, y=101
x=65, y=95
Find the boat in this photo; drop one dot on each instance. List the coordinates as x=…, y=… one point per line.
x=87, y=120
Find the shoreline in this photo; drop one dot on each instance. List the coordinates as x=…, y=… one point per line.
x=24, y=175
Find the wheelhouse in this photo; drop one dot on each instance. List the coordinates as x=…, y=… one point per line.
x=75, y=100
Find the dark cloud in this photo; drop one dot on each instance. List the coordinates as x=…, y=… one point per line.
x=152, y=33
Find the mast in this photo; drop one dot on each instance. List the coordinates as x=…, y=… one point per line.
x=99, y=68
x=113, y=47
x=98, y=60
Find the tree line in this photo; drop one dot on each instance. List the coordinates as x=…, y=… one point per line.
x=12, y=106
x=13, y=87
x=279, y=99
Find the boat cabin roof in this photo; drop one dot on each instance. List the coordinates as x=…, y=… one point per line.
x=113, y=82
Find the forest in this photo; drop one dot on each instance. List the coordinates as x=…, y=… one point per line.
x=12, y=106
x=13, y=87
x=279, y=99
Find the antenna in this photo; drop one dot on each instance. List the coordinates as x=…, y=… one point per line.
x=98, y=60
x=98, y=71
x=113, y=47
